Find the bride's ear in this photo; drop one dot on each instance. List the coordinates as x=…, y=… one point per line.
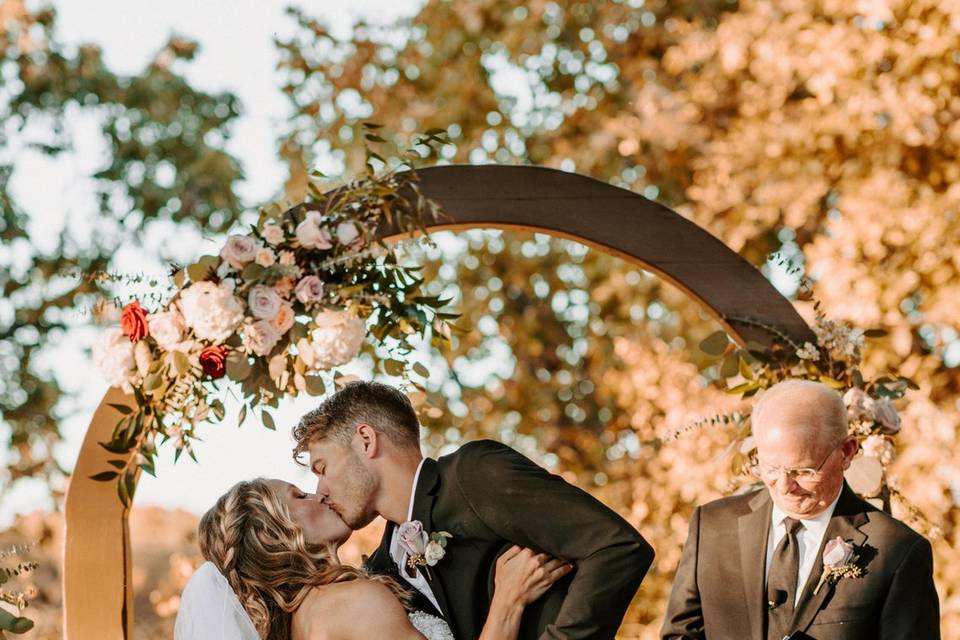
x=369, y=440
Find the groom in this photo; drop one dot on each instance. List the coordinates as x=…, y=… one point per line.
x=364, y=447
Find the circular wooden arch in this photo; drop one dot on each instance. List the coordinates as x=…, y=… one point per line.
x=98, y=595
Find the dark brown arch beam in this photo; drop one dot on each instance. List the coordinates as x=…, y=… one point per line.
x=622, y=223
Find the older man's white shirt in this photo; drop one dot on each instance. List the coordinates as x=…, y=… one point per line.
x=809, y=539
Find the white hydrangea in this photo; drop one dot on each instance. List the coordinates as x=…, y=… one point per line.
x=336, y=340
x=211, y=310
x=260, y=337
x=113, y=355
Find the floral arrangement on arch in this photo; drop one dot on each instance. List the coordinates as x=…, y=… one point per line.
x=276, y=311
x=833, y=360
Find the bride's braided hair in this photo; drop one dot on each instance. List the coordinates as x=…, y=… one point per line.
x=251, y=538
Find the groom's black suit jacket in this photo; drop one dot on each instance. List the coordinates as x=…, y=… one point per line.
x=489, y=497
x=718, y=593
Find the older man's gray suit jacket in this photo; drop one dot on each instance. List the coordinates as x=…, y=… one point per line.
x=718, y=593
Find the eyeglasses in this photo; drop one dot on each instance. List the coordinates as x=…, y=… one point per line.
x=770, y=473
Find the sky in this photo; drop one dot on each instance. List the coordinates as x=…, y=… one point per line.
x=237, y=55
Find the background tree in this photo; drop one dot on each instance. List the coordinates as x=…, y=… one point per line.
x=821, y=129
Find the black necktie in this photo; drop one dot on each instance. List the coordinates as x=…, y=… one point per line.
x=782, y=582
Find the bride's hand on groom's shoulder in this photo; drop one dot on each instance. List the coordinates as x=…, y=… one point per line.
x=522, y=575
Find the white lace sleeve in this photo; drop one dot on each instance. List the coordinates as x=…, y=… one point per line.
x=432, y=627
x=209, y=610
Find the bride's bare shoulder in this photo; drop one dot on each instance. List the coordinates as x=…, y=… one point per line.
x=344, y=609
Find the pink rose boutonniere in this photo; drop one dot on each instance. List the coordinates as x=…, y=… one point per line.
x=423, y=550
x=839, y=561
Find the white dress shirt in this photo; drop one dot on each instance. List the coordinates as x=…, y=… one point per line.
x=809, y=538
x=399, y=556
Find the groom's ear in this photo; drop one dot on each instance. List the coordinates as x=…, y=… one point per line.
x=369, y=440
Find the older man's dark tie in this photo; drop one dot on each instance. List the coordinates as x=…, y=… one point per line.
x=782, y=582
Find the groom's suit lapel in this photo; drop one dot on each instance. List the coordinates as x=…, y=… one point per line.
x=752, y=530
x=847, y=518
x=381, y=562
x=423, y=499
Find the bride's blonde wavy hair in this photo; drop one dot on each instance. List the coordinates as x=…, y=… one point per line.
x=255, y=543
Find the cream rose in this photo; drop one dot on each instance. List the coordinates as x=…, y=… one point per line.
x=265, y=258
x=272, y=233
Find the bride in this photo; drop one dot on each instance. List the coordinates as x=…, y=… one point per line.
x=273, y=574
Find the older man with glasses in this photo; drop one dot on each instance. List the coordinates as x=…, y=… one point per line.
x=803, y=557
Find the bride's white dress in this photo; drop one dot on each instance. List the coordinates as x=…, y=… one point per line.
x=210, y=610
x=432, y=627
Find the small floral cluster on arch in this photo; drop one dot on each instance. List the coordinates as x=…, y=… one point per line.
x=276, y=311
x=835, y=360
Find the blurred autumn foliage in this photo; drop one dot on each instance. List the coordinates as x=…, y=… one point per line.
x=827, y=131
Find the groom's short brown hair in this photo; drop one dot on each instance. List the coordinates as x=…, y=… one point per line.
x=381, y=406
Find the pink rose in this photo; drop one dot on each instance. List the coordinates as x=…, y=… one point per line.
x=413, y=538
x=311, y=234
x=239, y=250
x=264, y=302
x=837, y=553
x=309, y=289
x=886, y=416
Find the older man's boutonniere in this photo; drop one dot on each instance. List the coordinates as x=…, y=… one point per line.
x=423, y=550
x=839, y=561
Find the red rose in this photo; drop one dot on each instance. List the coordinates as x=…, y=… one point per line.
x=213, y=359
x=133, y=322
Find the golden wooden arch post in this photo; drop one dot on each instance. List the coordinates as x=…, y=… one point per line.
x=98, y=600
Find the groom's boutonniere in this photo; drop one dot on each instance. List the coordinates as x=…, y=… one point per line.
x=839, y=561
x=423, y=550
